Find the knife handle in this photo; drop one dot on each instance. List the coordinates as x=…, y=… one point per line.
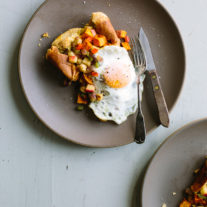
x=159, y=98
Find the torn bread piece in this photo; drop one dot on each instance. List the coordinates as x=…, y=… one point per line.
x=61, y=62
x=103, y=26
x=63, y=43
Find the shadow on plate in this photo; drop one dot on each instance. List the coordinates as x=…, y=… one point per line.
x=23, y=108
x=136, y=196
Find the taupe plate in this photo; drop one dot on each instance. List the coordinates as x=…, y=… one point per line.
x=53, y=104
x=171, y=169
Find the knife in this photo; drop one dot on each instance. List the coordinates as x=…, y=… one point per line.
x=157, y=90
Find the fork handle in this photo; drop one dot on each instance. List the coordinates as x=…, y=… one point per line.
x=159, y=98
x=140, y=131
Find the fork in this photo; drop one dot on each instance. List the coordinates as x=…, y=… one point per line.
x=140, y=66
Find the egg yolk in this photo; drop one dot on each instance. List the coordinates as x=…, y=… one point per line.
x=117, y=75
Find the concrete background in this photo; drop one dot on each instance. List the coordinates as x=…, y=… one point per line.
x=39, y=169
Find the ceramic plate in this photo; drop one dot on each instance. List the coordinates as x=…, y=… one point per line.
x=171, y=169
x=54, y=104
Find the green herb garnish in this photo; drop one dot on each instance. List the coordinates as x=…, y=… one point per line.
x=202, y=196
x=80, y=107
x=96, y=64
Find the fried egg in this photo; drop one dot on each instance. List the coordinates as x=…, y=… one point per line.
x=117, y=81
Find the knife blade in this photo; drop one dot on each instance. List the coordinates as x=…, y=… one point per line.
x=150, y=65
x=156, y=86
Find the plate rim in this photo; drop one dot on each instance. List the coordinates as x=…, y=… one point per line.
x=171, y=136
x=68, y=138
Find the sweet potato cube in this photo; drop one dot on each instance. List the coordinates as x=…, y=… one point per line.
x=185, y=204
x=87, y=45
x=89, y=39
x=99, y=96
x=121, y=33
x=80, y=100
x=94, y=50
x=90, y=88
x=126, y=45
x=88, y=79
x=87, y=33
x=127, y=39
x=94, y=74
x=79, y=46
x=99, y=40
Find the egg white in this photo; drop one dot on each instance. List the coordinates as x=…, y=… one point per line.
x=117, y=103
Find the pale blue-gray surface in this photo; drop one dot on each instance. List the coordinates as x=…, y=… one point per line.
x=38, y=168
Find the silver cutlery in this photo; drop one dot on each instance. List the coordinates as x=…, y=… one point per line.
x=151, y=71
x=140, y=65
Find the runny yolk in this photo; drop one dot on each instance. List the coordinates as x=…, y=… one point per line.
x=117, y=75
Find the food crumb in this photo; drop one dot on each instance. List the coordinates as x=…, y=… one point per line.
x=164, y=205
x=108, y=3
x=40, y=39
x=196, y=171
x=174, y=193
x=84, y=2
x=45, y=35
x=39, y=45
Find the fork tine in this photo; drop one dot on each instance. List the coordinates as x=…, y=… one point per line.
x=137, y=52
x=141, y=53
x=134, y=51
